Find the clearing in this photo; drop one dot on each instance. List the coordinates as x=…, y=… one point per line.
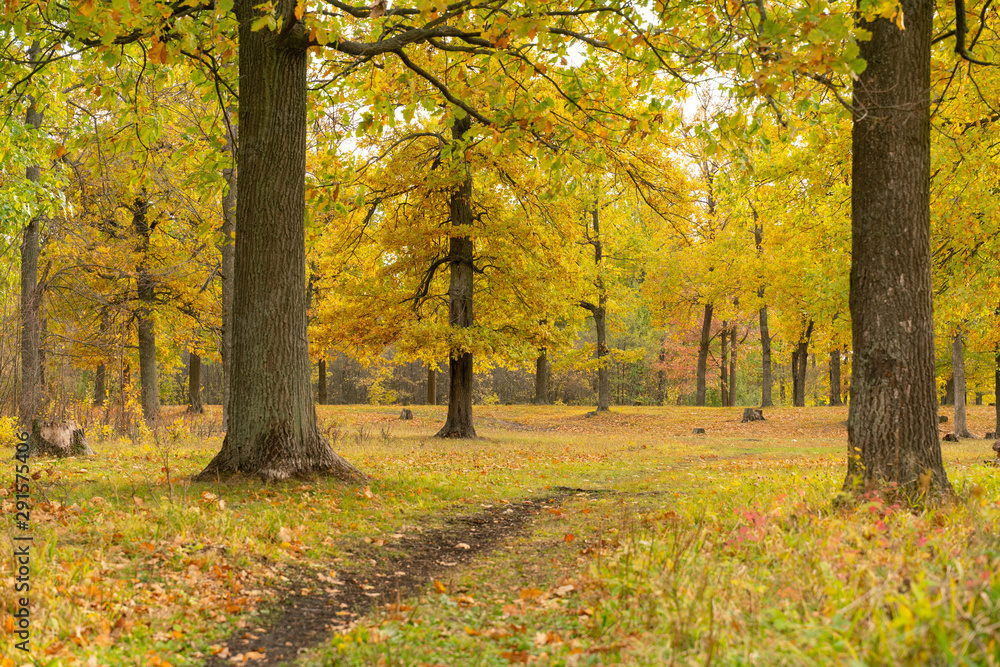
x=553, y=539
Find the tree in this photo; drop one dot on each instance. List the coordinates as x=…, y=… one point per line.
x=272, y=431
x=892, y=431
x=958, y=368
x=31, y=293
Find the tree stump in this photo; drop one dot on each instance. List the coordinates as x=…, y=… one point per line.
x=950, y=437
x=406, y=414
x=58, y=439
x=753, y=415
x=592, y=413
x=698, y=431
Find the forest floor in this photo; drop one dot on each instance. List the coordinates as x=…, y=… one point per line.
x=553, y=539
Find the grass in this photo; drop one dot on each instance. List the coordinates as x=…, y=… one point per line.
x=720, y=548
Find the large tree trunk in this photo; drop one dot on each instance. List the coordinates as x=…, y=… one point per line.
x=30, y=403
x=227, y=250
x=272, y=432
x=732, y=366
x=431, y=385
x=321, y=396
x=149, y=381
x=958, y=372
x=194, y=384
x=542, y=378
x=835, y=378
x=706, y=338
x=892, y=431
x=460, y=302
x=800, y=362
x=724, y=364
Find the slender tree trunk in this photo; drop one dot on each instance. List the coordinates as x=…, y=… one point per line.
x=835, y=378
x=194, y=384
x=460, y=300
x=321, y=396
x=600, y=316
x=732, y=366
x=996, y=392
x=892, y=431
x=227, y=250
x=765, y=361
x=100, y=384
x=724, y=364
x=149, y=381
x=603, y=372
x=949, y=392
x=958, y=371
x=706, y=331
x=272, y=431
x=101, y=374
x=800, y=363
x=542, y=377
x=30, y=403
x=431, y=385
x=765, y=335
x=661, y=374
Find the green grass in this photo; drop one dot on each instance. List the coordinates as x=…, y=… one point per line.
x=722, y=548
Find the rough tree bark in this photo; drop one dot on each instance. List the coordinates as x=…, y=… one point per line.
x=227, y=250
x=460, y=302
x=706, y=338
x=30, y=403
x=272, y=431
x=892, y=431
x=958, y=372
x=542, y=377
x=149, y=381
x=800, y=361
x=194, y=384
x=431, y=385
x=835, y=378
x=599, y=312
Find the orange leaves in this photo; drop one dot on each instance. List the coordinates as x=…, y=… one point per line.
x=439, y=587
x=300, y=10
x=158, y=52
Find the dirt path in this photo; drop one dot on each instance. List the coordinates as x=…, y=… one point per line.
x=312, y=609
